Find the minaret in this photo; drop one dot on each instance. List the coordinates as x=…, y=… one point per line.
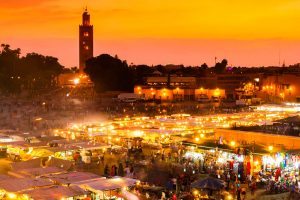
x=85, y=40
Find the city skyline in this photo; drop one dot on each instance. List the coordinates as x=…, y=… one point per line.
x=147, y=32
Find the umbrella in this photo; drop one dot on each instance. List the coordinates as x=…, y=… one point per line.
x=208, y=183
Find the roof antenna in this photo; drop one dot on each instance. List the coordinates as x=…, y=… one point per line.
x=279, y=57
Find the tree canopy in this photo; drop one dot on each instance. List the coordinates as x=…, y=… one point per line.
x=221, y=66
x=33, y=71
x=109, y=73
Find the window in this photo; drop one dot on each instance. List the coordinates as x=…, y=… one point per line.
x=86, y=34
x=86, y=22
x=86, y=47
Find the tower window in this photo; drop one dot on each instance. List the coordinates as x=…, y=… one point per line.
x=86, y=22
x=86, y=47
x=86, y=34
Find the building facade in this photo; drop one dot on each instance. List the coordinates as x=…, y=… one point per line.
x=177, y=88
x=85, y=40
x=281, y=87
x=179, y=94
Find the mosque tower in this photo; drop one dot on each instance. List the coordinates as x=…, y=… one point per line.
x=85, y=40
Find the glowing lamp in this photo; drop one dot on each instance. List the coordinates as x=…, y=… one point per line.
x=270, y=148
x=11, y=195
x=232, y=143
x=76, y=81
x=217, y=92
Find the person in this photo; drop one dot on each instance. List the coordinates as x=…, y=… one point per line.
x=131, y=171
x=102, y=159
x=152, y=159
x=174, y=197
x=116, y=170
x=243, y=191
x=106, y=170
x=113, y=170
x=120, y=170
x=127, y=171
x=249, y=181
x=238, y=194
x=76, y=157
x=163, y=196
x=147, y=195
x=253, y=187
x=228, y=181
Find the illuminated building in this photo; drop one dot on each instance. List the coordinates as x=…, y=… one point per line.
x=177, y=88
x=278, y=88
x=230, y=82
x=179, y=94
x=173, y=81
x=85, y=40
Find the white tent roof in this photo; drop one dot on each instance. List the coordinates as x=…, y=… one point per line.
x=108, y=184
x=55, y=192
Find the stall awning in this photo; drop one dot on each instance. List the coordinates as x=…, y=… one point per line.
x=40, y=171
x=55, y=192
x=108, y=184
x=21, y=184
x=72, y=177
x=34, y=163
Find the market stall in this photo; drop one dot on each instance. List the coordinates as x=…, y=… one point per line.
x=108, y=188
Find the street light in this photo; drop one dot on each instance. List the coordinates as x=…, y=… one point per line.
x=270, y=148
x=76, y=81
x=232, y=143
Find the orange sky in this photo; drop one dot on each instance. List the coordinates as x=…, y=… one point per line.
x=158, y=31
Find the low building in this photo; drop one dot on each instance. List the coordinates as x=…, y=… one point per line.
x=176, y=88
x=171, y=81
x=230, y=82
x=283, y=87
x=179, y=94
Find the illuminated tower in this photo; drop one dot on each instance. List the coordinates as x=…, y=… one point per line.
x=85, y=40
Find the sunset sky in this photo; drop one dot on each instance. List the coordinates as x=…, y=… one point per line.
x=247, y=33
